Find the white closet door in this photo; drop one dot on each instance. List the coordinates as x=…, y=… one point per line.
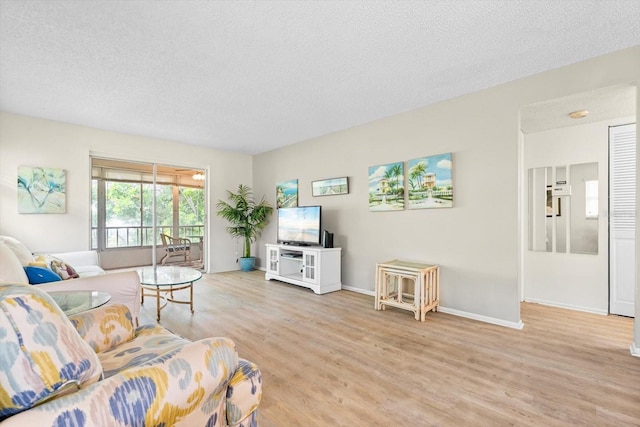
x=622, y=208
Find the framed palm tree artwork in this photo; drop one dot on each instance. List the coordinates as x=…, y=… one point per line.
x=430, y=182
x=386, y=187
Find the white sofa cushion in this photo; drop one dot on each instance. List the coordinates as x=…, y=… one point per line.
x=19, y=249
x=11, y=271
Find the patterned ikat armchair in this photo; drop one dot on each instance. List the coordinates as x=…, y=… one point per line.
x=97, y=369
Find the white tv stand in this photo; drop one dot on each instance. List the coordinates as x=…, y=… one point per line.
x=313, y=267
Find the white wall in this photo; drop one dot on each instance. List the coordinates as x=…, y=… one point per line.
x=30, y=141
x=477, y=242
x=578, y=281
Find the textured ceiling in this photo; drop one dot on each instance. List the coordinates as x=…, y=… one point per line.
x=253, y=76
x=602, y=104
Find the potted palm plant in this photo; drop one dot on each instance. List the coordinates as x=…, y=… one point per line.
x=247, y=220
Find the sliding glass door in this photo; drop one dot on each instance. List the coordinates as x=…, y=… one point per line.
x=122, y=202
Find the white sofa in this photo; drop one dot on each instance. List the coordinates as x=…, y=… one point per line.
x=124, y=287
x=86, y=263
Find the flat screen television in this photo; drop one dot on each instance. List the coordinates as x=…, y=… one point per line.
x=300, y=225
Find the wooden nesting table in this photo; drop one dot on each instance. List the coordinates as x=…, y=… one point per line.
x=408, y=285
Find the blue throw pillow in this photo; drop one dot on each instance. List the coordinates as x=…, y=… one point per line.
x=38, y=275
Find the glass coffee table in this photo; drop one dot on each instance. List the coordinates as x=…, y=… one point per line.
x=74, y=302
x=161, y=282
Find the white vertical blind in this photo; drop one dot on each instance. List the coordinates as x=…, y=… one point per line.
x=623, y=178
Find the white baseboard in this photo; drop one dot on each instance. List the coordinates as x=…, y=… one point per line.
x=486, y=319
x=568, y=306
x=358, y=290
x=635, y=350
x=481, y=318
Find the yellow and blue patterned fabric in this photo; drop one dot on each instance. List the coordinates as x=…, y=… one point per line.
x=106, y=328
x=185, y=387
x=41, y=353
x=245, y=383
x=150, y=342
x=153, y=378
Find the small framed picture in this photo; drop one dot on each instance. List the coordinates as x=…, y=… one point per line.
x=287, y=194
x=330, y=187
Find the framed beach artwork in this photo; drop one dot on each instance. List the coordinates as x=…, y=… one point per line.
x=430, y=182
x=330, y=187
x=386, y=187
x=41, y=190
x=287, y=194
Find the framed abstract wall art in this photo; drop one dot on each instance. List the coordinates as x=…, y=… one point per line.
x=386, y=187
x=41, y=190
x=287, y=194
x=430, y=182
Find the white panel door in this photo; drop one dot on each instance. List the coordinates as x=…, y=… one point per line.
x=622, y=208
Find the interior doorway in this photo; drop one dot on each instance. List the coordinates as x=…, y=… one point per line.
x=565, y=279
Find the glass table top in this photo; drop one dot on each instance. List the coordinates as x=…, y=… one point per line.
x=168, y=275
x=74, y=302
x=412, y=265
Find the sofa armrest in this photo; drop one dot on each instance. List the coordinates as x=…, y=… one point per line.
x=124, y=288
x=244, y=394
x=185, y=387
x=105, y=327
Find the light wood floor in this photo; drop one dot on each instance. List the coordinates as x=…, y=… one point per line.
x=332, y=360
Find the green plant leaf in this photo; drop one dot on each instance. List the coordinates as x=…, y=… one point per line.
x=247, y=218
